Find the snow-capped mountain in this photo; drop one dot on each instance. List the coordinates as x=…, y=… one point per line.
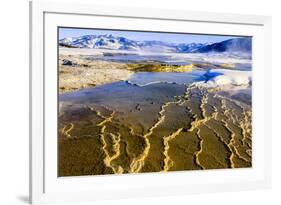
x=191, y=47
x=156, y=46
x=122, y=43
x=100, y=41
x=231, y=45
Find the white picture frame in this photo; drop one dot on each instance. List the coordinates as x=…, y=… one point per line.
x=46, y=187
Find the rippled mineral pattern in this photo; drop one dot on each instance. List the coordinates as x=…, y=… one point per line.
x=201, y=129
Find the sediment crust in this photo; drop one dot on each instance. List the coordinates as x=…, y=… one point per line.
x=218, y=132
x=138, y=162
x=168, y=162
x=83, y=73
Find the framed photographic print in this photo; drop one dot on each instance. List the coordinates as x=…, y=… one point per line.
x=129, y=102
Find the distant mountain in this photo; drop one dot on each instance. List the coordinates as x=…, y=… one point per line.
x=231, y=45
x=100, y=41
x=122, y=43
x=191, y=47
x=156, y=46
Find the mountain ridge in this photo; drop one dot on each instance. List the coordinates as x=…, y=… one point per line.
x=108, y=41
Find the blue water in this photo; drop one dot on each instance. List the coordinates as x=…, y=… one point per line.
x=142, y=88
x=134, y=58
x=146, y=78
x=163, y=59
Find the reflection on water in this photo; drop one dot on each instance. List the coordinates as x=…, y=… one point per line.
x=175, y=59
x=135, y=58
x=160, y=88
x=146, y=78
x=123, y=96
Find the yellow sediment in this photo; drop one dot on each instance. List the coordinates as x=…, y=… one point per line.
x=233, y=116
x=223, y=113
x=237, y=153
x=231, y=163
x=168, y=162
x=227, y=112
x=138, y=162
x=67, y=132
x=196, y=154
x=245, y=125
x=231, y=144
x=228, y=144
x=116, y=149
x=196, y=123
x=63, y=130
x=116, y=144
x=249, y=152
x=204, y=101
x=232, y=135
x=160, y=68
x=106, y=119
x=227, y=65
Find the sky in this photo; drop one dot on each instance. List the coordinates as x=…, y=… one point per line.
x=145, y=36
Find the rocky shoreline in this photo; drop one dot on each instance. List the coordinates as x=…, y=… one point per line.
x=76, y=72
